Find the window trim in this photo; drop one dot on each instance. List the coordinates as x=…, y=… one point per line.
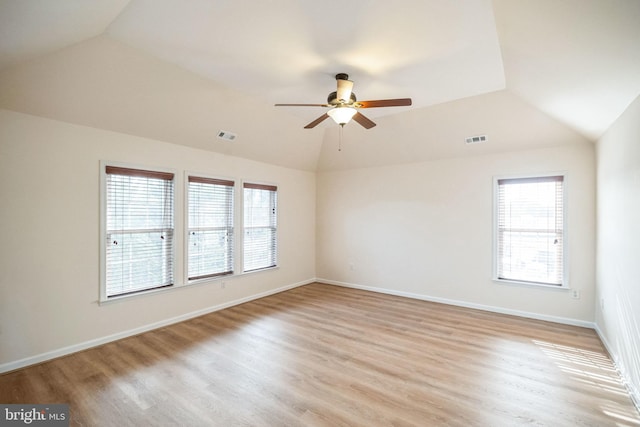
x=260, y=185
x=160, y=172
x=180, y=228
x=565, y=225
x=208, y=178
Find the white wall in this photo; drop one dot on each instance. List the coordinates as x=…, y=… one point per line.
x=49, y=223
x=618, y=250
x=425, y=229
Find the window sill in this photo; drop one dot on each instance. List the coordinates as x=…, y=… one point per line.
x=206, y=280
x=199, y=282
x=120, y=298
x=531, y=284
x=260, y=270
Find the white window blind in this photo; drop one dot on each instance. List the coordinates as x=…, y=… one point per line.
x=210, y=227
x=260, y=226
x=530, y=230
x=139, y=230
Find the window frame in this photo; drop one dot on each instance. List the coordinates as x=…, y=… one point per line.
x=266, y=186
x=180, y=229
x=234, y=228
x=565, y=285
x=104, y=165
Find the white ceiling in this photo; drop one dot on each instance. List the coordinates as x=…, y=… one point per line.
x=577, y=60
x=185, y=69
x=34, y=27
x=290, y=50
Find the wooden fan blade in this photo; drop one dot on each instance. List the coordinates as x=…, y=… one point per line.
x=364, y=121
x=400, y=102
x=317, y=121
x=302, y=105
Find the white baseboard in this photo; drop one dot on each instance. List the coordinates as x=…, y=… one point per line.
x=633, y=391
x=493, y=309
x=43, y=357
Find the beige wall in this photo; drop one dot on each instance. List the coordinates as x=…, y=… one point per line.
x=618, y=252
x=49, y=223
x=425, y=230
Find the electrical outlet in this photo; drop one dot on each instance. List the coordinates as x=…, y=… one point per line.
x=223, y=285
x=575, y=294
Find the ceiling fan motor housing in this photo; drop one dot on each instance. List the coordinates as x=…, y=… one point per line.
x=333, y=98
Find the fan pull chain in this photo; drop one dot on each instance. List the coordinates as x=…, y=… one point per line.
x=340, y=137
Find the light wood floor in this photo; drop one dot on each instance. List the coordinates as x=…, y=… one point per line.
x=330, y=356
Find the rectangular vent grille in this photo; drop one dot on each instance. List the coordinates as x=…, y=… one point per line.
x=226, y=135
x=475, y=139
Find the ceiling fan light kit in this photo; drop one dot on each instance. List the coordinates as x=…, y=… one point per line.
x=344, y=105
x=342, y=114
x=345, y=86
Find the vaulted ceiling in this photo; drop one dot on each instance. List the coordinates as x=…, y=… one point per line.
x=527, y=73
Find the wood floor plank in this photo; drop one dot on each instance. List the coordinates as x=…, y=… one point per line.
x=322, y=355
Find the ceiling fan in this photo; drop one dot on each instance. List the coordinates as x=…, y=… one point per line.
x=344, y=105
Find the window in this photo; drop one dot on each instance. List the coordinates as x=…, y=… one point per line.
x=139, y=231
x=138, y=235
x=530, y=230
x=260, y=212
x=210, y=228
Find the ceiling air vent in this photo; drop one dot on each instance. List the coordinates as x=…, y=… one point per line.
x=226, y=135
x=475, y=139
